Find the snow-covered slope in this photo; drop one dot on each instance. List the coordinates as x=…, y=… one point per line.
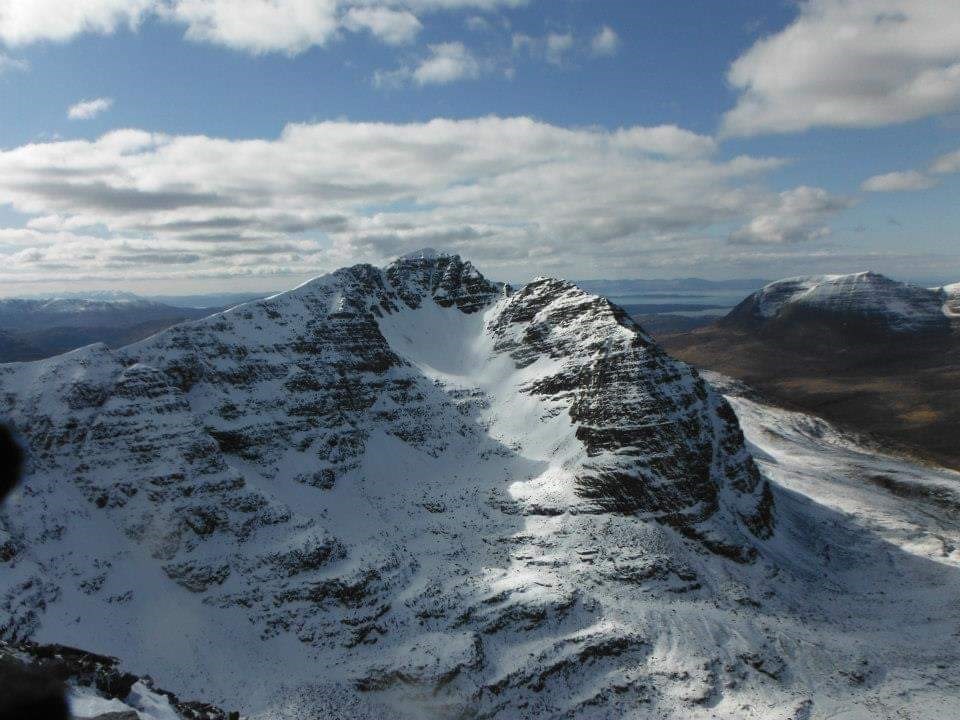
x=867, y=301
x=411, y=492
x=867, y=558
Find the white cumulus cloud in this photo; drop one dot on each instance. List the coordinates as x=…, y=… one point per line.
x=909, y=180
x=395, y=27
x=798, y=215
x=947, y=164
x=87, y=109
x=258, y=26
x=844, y=63
x=447, y=63
x=255, y=26
x=558, y=48
x=27, y=21
x=668, y=140
x=558, y=45
x=606, y=42
x=477, y=23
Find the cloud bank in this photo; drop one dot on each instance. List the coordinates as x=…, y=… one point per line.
x=514, y=193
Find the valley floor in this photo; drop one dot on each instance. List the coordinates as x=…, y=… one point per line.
x=904, y=391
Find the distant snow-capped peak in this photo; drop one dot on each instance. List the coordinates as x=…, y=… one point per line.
x=868, y=297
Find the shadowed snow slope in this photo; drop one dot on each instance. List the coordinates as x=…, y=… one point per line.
x=411, y=492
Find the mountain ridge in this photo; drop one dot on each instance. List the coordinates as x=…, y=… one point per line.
x=415, y=492
x=237, y=455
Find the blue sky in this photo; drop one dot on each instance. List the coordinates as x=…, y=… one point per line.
x=167, y=145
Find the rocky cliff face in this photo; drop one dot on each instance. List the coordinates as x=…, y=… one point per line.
x=657, y=441
x=438, y=488
x=864, y=303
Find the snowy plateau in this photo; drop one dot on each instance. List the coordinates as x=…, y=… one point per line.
x=410, y=492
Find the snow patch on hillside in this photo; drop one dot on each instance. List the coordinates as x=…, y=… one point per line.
x=951, y=307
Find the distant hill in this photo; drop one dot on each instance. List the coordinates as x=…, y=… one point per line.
x=864, y=303
x=208, y=300
x=863, y=350
x=35, y=328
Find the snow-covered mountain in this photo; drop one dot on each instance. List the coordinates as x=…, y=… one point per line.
x=411, y=492
x=866, y=301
